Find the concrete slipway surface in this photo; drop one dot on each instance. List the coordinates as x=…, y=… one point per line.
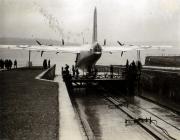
x=33, y=114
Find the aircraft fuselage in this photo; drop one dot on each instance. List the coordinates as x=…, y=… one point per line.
x=85, y=60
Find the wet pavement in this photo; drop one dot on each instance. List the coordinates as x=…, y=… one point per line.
x=161, y=100
x=106, y=121
x=164, y=117
x=161, y=112
x=69, y=126
x=102, y=120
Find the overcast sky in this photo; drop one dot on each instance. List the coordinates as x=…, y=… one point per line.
x=125, y=20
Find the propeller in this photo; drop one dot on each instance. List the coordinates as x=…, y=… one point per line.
x=121, y=44
x=122, y=53
x=104, y=42
x=63, y=42
x=38, y=42
x=42, y=53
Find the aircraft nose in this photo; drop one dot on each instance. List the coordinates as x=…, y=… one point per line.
x=97, y=49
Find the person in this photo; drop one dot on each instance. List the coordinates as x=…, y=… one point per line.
x=139, y=66
x=62, y=71
x=67, y=69
x=49, y=63
x=133, y=66
x=73, y=70
x=77, y=73
x=111, y=71
x=127, y=64
x=127, y=69
x=10, y=64
x=132, y=77
x=1, y=64
x=45, y=64
x=15, y=63
x=6, y=64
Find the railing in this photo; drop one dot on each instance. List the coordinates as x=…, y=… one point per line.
x=99, y=77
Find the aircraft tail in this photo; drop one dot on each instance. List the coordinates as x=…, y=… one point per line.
x=94, y=38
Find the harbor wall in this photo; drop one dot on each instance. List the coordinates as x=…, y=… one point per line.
x=49, y=73
x=166, y=61
x=161, y=87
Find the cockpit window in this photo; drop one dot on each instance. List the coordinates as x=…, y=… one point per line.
x=97, y=48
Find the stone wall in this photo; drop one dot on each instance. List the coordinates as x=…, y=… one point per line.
x=161, y=85
x=49, y=73
x=169, y=61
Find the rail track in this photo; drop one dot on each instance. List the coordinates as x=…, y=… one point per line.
x=148, y=124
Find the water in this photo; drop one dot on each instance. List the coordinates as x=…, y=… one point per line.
x=61, y=59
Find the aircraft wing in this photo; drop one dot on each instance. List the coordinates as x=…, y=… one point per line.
x=125, y=48
x=44, y=48
x=144, y=47
x=67, y=49
x=77, y=49
x=112, y=49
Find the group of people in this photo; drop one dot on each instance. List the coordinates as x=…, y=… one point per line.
x=75, y=71
x=46, y=64
x=132, y=73
x=133, y=69
x=7, y=64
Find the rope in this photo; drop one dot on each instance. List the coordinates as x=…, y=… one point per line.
x=163, y=130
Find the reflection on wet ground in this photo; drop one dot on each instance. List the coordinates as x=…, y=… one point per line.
x=164, y=117
x=106, y=121
x=161, y=112
x=93, y=118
